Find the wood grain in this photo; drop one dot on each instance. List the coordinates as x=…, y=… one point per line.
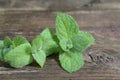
x=102, y=60
x=58, y=5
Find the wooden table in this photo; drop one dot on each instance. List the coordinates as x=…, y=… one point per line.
x=102, y=60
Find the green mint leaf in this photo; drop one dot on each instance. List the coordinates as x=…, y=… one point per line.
x=7, y=42
x=66, y=27
x=1, y=55
x=6, y=50
x=50, y=42
x=20, y=56
x=40, y=57
x=1, y=44
x=44, y=45
x=7, y=45
x=37, y=51
x=37, y=44
x=82, y=41
x=66, y=44
x=1, y=49
x=18, y=40
x=71, y=61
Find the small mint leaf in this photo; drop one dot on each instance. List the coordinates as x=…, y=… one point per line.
x=18, y=40
x=7, y=42
x=50, y=41
x=37, y=51
x=71, y=61
x=1, y=49
x=82, y=41
x=20, y=56
x=44, y=45
x=40, y=57
x=66, y=27
x=66, y=44
x=1, y=44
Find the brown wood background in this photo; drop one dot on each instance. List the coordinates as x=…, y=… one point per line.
x=99, y=17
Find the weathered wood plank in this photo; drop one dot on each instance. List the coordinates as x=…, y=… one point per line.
x=31, y=23
x=102, y=59
x=51, y=5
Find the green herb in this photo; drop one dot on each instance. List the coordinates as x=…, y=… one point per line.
x=82, y=41
x=7, y=42
x=71, y=61
x=18, y=40
x=66, y=27
x=1, y=49
x=44, y=45
x=17, y=52
x=19, y=56
x=72, y=42
x=7, y=46
x=68, y=41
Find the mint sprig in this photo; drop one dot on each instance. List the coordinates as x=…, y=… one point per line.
x=17, y=52
x=44, y=45
x=68, y=41
x=72, y=42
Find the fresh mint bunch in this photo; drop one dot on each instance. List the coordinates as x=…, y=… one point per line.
x=72, y=42
x=68, y=41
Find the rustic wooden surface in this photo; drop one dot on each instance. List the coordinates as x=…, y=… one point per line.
x=64, y=5
x=99, y=17
x=102, y=59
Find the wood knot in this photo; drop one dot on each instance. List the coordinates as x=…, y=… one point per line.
x=102, y=56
